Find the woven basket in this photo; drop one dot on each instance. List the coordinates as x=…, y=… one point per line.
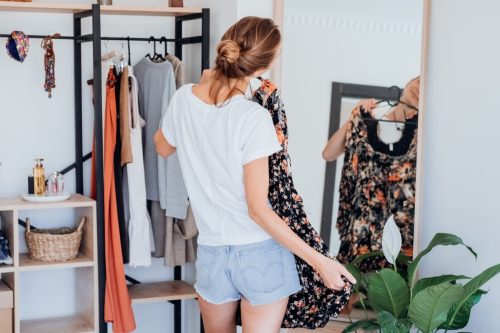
x=53, y=245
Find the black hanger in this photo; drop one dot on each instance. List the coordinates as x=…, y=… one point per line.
x=151, y=57
x=164, y=40
x=128, y=48
x=393, y=103
x=156, y=56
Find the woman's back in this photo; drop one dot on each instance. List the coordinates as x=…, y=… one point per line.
x=213, y=144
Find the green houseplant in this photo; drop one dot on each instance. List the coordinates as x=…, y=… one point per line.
x=402, y=302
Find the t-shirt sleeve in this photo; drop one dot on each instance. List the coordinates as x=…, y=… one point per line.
x=167, y=124
x=259, y=137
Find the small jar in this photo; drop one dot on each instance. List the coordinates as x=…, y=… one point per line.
x=56, y=183
x=52, y=183
x=60, y=183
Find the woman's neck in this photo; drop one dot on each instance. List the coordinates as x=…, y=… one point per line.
x=233, y=87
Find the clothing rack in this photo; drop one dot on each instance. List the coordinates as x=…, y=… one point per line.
x=94, y=12
x=86, y=38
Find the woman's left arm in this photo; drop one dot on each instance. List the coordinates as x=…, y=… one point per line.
x=163, y=147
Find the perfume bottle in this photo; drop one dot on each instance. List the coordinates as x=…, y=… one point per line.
x=39, y=177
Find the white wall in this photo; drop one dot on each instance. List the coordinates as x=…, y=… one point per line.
x=361, y=41
x=33, y=125
x=461, y=155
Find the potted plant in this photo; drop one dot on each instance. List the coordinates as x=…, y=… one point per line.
x=402, y=302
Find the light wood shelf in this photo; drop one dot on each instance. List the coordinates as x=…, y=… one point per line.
x=331, y=327
x=85, y=318
x=148, y=11
x=27, y=264
x=74, y=324
x=161, y=291
x=17, y=203
x=7, y=269
x=35, y=7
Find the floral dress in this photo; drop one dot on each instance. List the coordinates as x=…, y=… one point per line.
x=378, y=180
x=315, y=304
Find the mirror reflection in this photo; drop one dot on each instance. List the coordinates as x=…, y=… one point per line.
x=356, y=108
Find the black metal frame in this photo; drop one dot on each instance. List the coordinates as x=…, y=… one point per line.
x=95, y=38
x=345, y=90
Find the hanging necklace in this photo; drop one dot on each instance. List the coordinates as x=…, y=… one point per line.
x=49, y=63
x=230, y=95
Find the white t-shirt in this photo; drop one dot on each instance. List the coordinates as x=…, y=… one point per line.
x=213, y=144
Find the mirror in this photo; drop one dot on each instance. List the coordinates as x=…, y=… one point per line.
x=335, y=54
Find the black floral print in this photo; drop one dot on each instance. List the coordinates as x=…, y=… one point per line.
x=315, y=304
x=378, y=180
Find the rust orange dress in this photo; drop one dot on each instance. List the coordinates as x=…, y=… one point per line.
x=118, y=305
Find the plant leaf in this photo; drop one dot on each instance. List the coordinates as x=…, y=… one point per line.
x=391, y=240
x=388, y=291
x=364, y=324
x=470, y=288
x=354, y=270
x=389, y=324
x=438, y=239
x=435, y=280
x=358, y=260
x=430, y=307
x=463, y=314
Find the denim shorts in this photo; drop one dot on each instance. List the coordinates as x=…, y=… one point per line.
x=262, y=272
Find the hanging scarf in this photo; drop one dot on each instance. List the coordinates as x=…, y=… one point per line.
x=49, y=63
x=315, y=304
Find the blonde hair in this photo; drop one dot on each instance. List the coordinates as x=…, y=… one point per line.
x=247, y=46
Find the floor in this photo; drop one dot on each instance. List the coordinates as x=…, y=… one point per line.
x=332, y=327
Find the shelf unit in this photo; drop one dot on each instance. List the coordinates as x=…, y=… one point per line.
x=171, y=291
x=34, y=7
x=86, y=269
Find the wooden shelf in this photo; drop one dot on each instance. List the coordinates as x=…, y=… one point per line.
x=6, y=269
x=161, y=291
x=34, y=7
x=57, y=325
x=356, y=314
x=27, y=264
x=331, y=327
x=148, y=11
x=76, y=200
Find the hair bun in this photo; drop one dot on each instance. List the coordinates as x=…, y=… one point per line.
x=229, y=50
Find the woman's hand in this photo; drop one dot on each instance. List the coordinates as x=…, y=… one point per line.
x=331, y=272
x=367, y=104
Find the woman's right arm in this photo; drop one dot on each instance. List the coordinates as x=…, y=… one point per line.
x=256, y=178
x=336, y=144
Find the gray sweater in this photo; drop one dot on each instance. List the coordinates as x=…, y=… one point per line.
x=164, y=181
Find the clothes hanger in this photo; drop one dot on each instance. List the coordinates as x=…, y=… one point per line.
x=151, y=57
x=158, y=56
x=122, y=59
x=107, y=56
x=164, y=40
x=394, y=103
x=128, y=48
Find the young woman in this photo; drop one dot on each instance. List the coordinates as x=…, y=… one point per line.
x=223, y=141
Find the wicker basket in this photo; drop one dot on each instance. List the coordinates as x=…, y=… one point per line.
x=53, y=245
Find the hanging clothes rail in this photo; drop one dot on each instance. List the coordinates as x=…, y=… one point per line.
x=95, y=12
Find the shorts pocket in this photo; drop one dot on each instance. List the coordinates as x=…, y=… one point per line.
x=205, y=262
x=263, y=269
